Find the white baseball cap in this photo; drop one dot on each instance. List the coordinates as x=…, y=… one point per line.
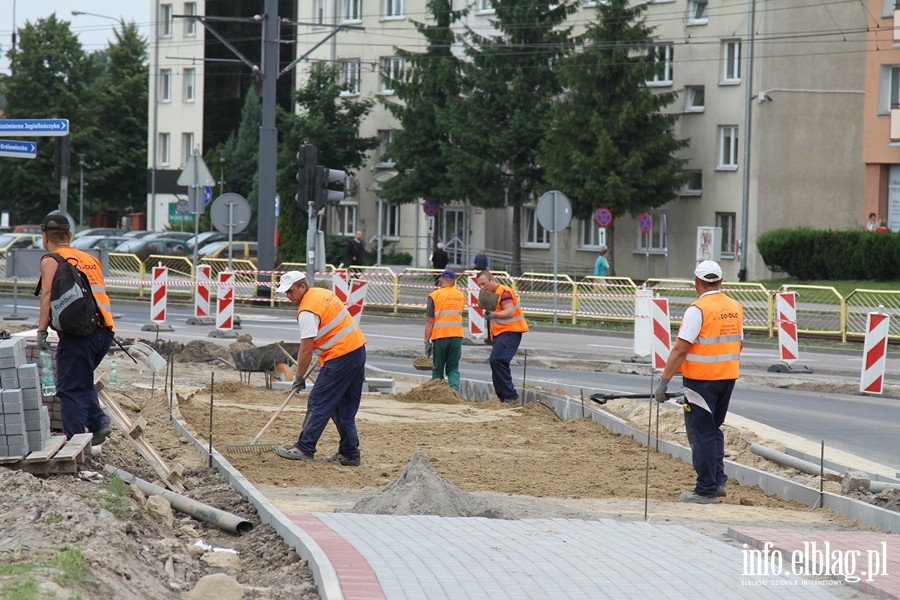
x=288, y=279
x=708, y=271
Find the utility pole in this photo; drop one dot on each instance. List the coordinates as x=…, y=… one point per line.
x=81, y=156
x=268, y=140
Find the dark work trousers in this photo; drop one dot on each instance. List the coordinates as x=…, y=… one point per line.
x=335, y=395
x=447, y=352
x=77, y=357
x=705, y=434
x=505, y=347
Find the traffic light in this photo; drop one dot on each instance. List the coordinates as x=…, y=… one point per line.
x=323, y=195
x=306, y=176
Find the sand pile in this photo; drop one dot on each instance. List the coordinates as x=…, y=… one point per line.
x=433, y=391
x=418, y=490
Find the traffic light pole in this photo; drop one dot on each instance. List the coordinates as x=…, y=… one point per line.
x=268, y=140
x=311, y=229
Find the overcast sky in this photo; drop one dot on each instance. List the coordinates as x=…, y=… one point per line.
x=94, y=32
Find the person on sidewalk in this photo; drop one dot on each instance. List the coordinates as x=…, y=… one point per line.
x=506, y=324
x=601, y=266
x=77, y=356
x=326, y=326
x=443, y=328
x=439, y=261
x=355, y=256
x=707, y=350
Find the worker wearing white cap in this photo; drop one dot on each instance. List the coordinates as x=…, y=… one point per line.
x=326, y=326
x=707, y=351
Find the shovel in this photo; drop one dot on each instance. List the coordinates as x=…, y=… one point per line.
x=488, y=301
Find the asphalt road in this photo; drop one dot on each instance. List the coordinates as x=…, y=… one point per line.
x=862, y=425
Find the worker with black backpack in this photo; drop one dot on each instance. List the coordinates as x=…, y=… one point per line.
x=74, y=303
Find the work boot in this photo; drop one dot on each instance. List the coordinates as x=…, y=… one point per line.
x=342, y=460
x=694, y=498
x=293, y=453
x=721, y=491
x=100, y=436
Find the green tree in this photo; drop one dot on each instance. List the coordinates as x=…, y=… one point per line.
x=330, y=123
x=51, y=78
x=509, y=85
x=430, y=84
x=117, y=150
x=242, y=153
x=610, y=144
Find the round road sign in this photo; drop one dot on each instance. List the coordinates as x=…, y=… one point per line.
x=554, y=211
x=181, y=207
x=230, y=210
x=430, y=208
x=603, y=217
x=645, y=222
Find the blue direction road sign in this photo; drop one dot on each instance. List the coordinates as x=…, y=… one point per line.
x=17, y=149
x=207, y=195
x=34, y=127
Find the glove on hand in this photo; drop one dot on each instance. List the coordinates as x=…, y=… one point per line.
x=429, y=349
x=299, y=384
x=660, y=394
x=42, y=342
x=488, y=315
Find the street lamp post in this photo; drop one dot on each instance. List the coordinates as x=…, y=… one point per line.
x=81, y=190
x=221, y=172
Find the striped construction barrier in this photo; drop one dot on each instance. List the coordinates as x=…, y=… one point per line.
x=225, y=302
x=477, y=324
x=158, y=294
x=874, y=353
x=786, y=317
x=201, y=293
x=662, y=333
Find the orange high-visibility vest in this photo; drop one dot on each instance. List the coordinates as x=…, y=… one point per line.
x=449, y=304
x=516, y=322
x=715, y=354
x=338, y=333
x=91, y=267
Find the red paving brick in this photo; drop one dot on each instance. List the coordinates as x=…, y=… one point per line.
x=881, y=551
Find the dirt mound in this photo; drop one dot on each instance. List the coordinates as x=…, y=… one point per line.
x=196, y=351
x=434, y=391
x=418, y=490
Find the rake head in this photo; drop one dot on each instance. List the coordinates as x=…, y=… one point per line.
x=250, y=448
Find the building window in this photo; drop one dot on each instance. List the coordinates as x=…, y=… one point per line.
x=728, y=147
x=697, y=12
x=391, y=73
x=694, y=184
x=485, y=6
x=590, y=236
x=187, y=147
x=385, y=139
x=657, y=239
x=165, y=85
x=661, y=57
x=533, y=234
x=165, y=20
x=390, y=221
x=695, y=98
x=319, y=12
x=190, y=25
x=393, y=8
x=190, y=90
x=351, y=10
x=349, y=77
x=731, y=61
x=164, y=148
x=726, y=222
x=345, y=219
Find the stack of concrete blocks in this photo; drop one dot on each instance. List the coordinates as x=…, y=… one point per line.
x=26, y=421
x=32, y=355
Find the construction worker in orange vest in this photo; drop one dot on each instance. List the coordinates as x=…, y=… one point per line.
x=707, y=351
x=507, y=324
x=444, y=328
x=326, y=326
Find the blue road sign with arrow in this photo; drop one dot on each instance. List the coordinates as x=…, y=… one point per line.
x=207, y=195
x=34, y=127
x=17, y=149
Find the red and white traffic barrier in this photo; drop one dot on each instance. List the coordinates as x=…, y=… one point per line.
x=158, y=293
x=643, y=329
x=225, y=302
x=786, y=317
x=662, y=331
x=477, y=324
x=201, y=293
x=875, y=353
x=340, y=284
x=356, y=299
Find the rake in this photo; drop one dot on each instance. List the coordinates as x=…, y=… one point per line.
x=255, y=448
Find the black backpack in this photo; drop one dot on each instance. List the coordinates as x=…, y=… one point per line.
x=73, y=309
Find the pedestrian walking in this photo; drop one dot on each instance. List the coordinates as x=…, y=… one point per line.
x=506, y=324
x=444, y=330
x=439, y=261
x=601, y=266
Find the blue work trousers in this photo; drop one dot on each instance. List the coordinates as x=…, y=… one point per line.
x=705, y=434
x=336, y=395
x=77, y=357
x=504, y=349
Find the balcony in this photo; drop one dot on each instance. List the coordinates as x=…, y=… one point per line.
x=895, y=123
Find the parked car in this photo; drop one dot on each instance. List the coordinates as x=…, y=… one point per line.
x=208, y=237
x=99, y=242
x=139, y=233
x=142, y=247
x=98, y=231
x=27, y=229
x=19, y=240
x=240, y=250
x=184, y=236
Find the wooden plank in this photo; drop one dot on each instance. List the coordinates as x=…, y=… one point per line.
x=50, y=448
x=50, y=467
x=74, y=449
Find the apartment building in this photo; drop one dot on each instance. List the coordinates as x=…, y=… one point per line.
x=775, y=141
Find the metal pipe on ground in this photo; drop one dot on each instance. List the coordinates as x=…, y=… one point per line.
x=204, y=512
x=793, y=462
